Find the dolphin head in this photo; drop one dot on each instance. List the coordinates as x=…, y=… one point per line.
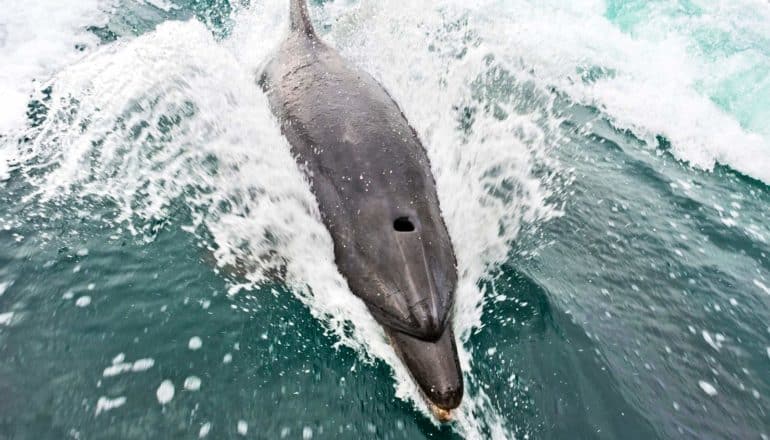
x=403, y=266
x=398, y=258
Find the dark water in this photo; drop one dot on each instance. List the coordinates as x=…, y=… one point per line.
x=641, y=311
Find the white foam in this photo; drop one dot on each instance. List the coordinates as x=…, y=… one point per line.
x=83, y=301
x=115, y=369
x=142, y=365
x=710, y=341
x=120, y=367
x=37, y=38
x=707, y=388
x=762, y=286
x=165, y=392
x=195, y=343
x=192, y=383
x=5, y=318
x=242, y=427
x=106, y=404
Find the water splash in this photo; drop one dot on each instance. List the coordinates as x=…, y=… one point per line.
x=689, y=87
x=35, y=52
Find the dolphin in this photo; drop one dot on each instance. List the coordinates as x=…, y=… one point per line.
x=377, y=197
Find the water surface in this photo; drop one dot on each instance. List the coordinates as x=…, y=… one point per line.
x=602, y=168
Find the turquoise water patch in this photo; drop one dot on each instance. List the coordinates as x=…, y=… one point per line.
x=729, y=41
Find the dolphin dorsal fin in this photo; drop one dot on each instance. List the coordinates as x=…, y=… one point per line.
x=300, y=19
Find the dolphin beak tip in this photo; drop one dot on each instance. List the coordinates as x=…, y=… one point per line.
x=441, y=414
x=442, y=403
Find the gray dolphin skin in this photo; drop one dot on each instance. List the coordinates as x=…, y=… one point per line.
x=377, y=197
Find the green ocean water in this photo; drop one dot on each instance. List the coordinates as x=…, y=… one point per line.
x=616, y=285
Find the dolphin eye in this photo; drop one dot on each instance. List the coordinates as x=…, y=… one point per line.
x=403, y=224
